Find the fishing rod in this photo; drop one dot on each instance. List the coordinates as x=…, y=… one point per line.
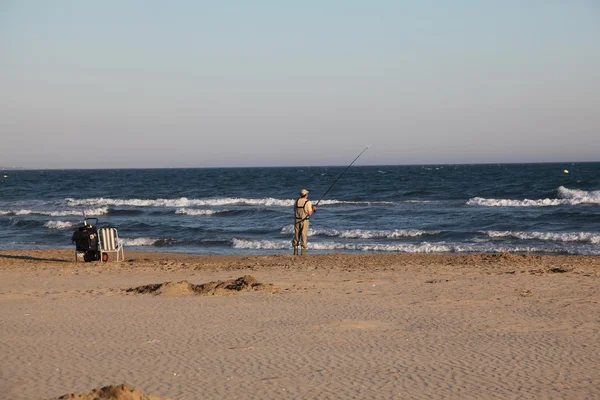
x=334, y=182
x=343, y=172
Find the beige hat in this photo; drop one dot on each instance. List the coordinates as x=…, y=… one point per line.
x=303, y=192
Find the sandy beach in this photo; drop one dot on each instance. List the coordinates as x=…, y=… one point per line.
x=495, y=326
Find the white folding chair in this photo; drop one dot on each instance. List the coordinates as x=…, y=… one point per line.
x=109, y=242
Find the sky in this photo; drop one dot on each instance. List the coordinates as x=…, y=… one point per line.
x=153, y=84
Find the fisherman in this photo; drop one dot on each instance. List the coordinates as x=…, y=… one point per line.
x=303, y=209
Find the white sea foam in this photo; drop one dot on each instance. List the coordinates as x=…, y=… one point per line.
x=184, y=202
x=27, y=212
x=88, y=212
x=64, y=213
x=494, y=248
x=59, y=224
x=195, y=211
x=362, y=233
x=423, y=247
x=479, y=201
x=181, y=202
x=380, y=247
x=566, y=196
x=587, y=237
x=139, y=241
x=565, y=193
x=260, y=244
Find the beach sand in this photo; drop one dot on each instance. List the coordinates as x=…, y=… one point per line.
x=495, y=326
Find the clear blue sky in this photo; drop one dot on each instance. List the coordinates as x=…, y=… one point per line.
x=259, y=83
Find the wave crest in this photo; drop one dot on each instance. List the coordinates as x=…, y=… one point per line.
x=566, y=196
x=139, y=242
x=59, y=224
x=421, y=248
x=587, y=237
x=362, y=233
x=400, y=248
x=184, y=202
x=195, y=211
x=66, y=213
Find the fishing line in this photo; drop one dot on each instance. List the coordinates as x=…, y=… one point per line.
x=334, y=182
x=343, y=172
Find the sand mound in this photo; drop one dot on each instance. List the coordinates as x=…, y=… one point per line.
x=244, y=283
x=120, y=392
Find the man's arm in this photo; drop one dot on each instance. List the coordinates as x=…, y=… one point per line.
x=310, y=209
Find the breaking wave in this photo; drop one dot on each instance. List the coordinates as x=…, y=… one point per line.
x=280, y=245
x=194, y=212
x=139, y=242
x=428, y=248
x=363, y=233
x=586, y=237
x=185, y=202
x=566, y=196
x=59, y=224
x=480, y=201
x=66, y=213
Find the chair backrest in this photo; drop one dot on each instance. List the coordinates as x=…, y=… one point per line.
x=109, y=239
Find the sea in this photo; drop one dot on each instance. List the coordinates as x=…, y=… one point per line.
x=549, y=208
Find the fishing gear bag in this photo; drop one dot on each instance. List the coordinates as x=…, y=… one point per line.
x=85, y=239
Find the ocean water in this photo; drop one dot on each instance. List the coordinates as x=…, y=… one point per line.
x=521, y=208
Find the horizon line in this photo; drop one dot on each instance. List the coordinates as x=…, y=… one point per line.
x=292, y=166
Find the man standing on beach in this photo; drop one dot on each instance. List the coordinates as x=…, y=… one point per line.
x=303, y=209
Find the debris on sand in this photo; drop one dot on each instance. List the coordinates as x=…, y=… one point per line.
x=244, y=283
x=120, y=392
x=503, y=257
x=437, y=280
x=557, y=270
x=525, y=293
x=550, y=270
